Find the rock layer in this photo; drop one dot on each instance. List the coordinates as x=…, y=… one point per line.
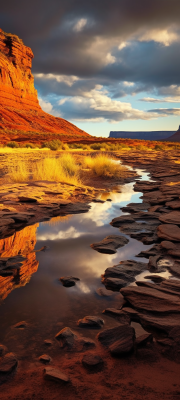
x=19, y=106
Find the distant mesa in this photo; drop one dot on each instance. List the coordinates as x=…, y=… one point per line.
x=20, y=111
x=146, y=135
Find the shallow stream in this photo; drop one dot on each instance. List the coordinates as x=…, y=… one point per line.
x=42, y=301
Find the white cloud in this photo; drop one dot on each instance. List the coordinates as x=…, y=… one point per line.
x=110, y=59
x=122, y=45
x=67, y=79
x=98, y=102
x=163, y=36
x=163, y=100
x=45, y=105
x=80, y=25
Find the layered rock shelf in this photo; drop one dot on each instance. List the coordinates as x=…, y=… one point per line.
x=20, y=112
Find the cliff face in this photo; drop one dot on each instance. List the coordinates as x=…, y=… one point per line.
x=19, y=106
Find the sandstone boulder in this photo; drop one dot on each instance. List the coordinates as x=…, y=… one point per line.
x=119, y=340
x=169, y=232
x=55, y=374
x=91, y=322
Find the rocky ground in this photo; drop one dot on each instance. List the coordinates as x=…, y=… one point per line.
x=118, y=363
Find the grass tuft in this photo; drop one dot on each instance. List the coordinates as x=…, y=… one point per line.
x=103, y=165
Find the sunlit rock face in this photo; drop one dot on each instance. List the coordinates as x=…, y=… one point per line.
x=19, y=106
x=22, y=242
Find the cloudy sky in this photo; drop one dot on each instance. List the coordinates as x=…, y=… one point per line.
x=103, y=65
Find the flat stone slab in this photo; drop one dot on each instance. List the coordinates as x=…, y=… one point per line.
x=110, y=244
x=8, y=363
x=91, y=322
x=172, y=217
x=69, y=281
x=135, y=207
x=123, y=219
x=119, y=340
x=169, y=232
x=125, y=270
x=55, y=374
x=149, y=299
x=175, y=204
x=172, y=248
x=92, y=361
x=122, y=317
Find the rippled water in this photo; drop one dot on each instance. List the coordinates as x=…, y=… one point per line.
x=43, y=301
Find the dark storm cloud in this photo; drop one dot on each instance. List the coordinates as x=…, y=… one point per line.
x=124, y=46
x=47, y=27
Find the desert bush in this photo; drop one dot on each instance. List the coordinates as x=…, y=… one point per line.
x=96, y=146
x=103, y=165
x=53, y=144
x=12, y=144
x=29, y=146
x=159, y=147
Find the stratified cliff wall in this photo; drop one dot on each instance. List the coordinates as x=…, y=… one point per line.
x=19, y=107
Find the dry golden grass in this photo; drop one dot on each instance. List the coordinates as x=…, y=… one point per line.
x=102, y=165
x=19, y=172
x=61, y=169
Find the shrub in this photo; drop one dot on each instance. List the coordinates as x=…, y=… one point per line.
x=53, y=144
x=13, y=145
x=29, y=146
x=96, y=146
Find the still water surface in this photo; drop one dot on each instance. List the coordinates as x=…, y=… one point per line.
x=44, y=302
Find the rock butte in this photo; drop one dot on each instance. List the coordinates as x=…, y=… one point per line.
x=19, y=106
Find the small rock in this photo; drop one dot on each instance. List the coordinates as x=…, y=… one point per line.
x=91, y=322
x=55, y=374
x=21, y=325
x=69, y=281
x=92, y=361
x=155, y=278
x=45, y=359
x=110, y=244
x=72, y=341
x=8, y=363
x=48, y=342
x=114, y=283
x=144, y=339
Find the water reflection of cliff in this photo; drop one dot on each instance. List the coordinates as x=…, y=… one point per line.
x=22, y=242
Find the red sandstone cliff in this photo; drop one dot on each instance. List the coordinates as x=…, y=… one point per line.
x=19, y=107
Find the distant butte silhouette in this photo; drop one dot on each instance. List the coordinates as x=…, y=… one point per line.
x=20, y=111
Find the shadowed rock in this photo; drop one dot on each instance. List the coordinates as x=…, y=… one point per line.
x=169, y=232
x=69, y=281
x=3, y=350
x=45, y=359
x=121, y=316
x=144, y=339
x=114, y=283
x=92, y=361
x=54, y=374
x=172, y=248
x=149, y=299
x=8, y=363
x=72, y=341
x=110, y=244
x=91, y=322
x=119, y=340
